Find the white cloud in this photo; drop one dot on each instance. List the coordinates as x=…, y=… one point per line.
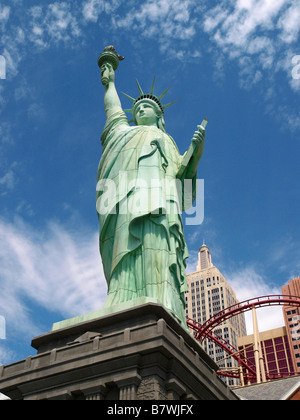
x=292, y=119
x=234, y=26
x=4, y=13
x=259, y=35
x=60, y=22
x=192, y=261
x=256, y=32
x=24, y=208
x=13, y=50
x=55, y=23
x=285, y=255
x=289, y=23
x=8, y=180
x=165, y=22
x=59, y=270
x=163, y=13
x=5, y=133
x=256, y=28
x=92, y=9
x=248, y=283
x=6, y=355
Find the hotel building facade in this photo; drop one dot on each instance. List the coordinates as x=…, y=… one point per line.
x=291, y=316
x=208, y=294
x=276, y=353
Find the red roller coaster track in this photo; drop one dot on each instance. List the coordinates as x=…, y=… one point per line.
x=245, y=306
x=229, y=348
x=205, y=330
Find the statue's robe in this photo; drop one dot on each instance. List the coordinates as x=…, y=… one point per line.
x=142, y=242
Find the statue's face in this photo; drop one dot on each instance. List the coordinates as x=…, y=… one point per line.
x=145, y=114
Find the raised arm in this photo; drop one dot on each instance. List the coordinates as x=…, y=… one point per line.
x=191, y=158
x=198, y=141
x=112, y=102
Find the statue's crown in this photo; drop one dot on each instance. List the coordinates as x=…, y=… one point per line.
x=148, y=97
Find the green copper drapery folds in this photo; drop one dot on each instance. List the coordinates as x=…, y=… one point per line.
x=143, y=251
x=141, y=191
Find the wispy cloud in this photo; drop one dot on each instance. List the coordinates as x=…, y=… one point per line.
x=249, y=283
x=93, y=9
x=7, y=181
x=13, y=42
x=6, y=355
x=4, y=14
x=5, y=133
x=260, y=36
x=161, y=19
x=285, y=256
x=234, y=23
x=257, y=33
x=58, y=269
x=260, y=30
x=54, y=23
x=165, y=22
x=289, y=23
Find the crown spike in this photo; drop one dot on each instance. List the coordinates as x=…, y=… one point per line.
x=163, y=94
x=152, y=87
x=139, y=87
x=128, y=110
x=167, y=105
x=129, y=97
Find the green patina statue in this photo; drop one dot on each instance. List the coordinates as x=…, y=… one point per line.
x=142, y=242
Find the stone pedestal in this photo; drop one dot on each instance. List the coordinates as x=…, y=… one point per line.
x=138, y=354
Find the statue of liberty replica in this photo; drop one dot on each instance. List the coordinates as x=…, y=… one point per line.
x=138, y=346
x=142, y=242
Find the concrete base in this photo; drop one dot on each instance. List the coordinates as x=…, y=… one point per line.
x=120, y=307
x=138, y=354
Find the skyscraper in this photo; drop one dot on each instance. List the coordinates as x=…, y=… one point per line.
x=292, y=321
x=209, y=293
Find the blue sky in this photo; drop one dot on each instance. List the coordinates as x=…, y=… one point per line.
x=233, y=61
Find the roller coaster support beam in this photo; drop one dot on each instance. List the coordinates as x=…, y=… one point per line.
x=256, y=344
x=259, y=361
